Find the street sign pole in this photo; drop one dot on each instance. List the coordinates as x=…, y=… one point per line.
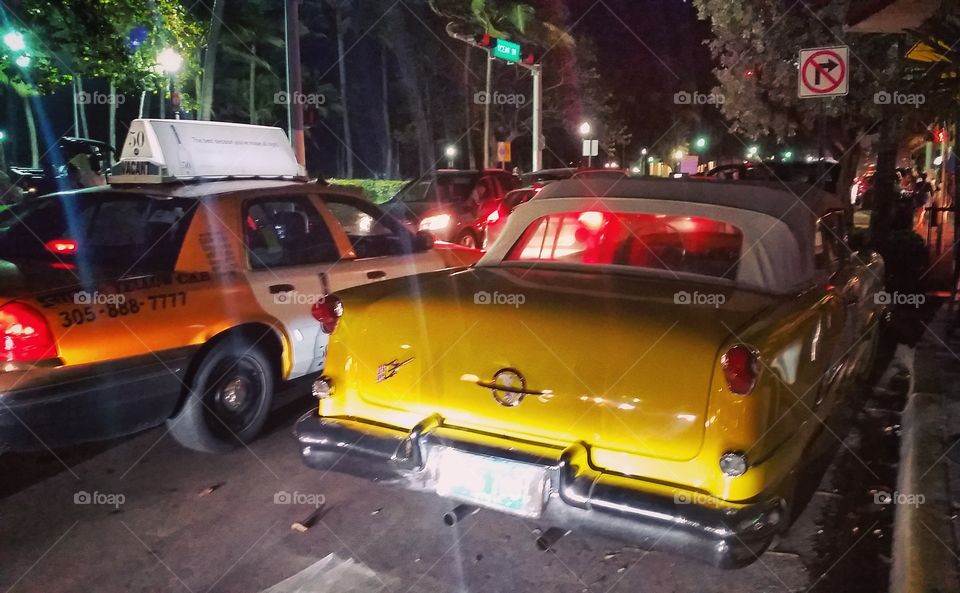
x=294, y=81
x=537, y=158
x=486, y=113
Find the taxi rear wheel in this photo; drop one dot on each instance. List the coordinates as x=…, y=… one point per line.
x=229, y=400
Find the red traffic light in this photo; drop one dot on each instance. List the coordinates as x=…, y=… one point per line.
x=486, y=41
x=528, y=59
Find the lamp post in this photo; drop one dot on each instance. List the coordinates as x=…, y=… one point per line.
x=170, y=62
x=451, y=153
x=585, y=130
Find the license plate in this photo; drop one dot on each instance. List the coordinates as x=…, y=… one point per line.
x=507, y=486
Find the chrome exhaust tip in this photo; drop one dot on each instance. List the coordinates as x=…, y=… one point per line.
x=550, y=537
x=459, y=513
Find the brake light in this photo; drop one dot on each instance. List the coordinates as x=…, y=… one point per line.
x=592, y=220
x=328, y=312
x=741, y=369
x=24, y=334
x=494, y=216
x=62, y=246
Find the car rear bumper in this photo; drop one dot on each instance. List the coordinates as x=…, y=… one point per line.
x=578, y=495
x=45, y=407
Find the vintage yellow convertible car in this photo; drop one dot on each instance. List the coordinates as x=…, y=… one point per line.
x=651, y=359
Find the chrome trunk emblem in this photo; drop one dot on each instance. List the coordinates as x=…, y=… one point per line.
x=390, y=369
x=509, y=387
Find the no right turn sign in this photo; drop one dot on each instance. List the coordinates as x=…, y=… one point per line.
x=824, y=72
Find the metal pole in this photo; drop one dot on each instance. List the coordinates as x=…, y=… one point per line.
x=536, y=162
x=486, y=113
x=294, y=83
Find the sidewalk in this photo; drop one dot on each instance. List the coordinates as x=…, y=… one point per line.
x=926, y=540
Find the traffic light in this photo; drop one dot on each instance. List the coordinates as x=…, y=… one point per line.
x=486, y=41
x=528, y=59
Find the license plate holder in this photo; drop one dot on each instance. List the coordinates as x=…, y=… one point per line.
x=490, y=482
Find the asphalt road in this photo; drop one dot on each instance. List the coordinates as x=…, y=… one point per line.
x=159, y=518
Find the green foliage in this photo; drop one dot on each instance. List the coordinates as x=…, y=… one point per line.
x=377, y=190
x=89, y=38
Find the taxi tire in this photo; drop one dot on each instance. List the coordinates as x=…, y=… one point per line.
x=190, y=426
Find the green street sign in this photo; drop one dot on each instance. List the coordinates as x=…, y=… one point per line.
x=507, y=50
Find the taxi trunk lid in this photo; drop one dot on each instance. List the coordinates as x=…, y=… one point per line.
x=620, y=362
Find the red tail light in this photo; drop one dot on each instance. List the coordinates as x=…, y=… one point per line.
x=741, y=368
x=62, y=246
x=494, y=216
x=24, y=334
x=328, y=312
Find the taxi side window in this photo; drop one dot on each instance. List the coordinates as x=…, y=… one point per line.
x=282, y=232
x=372, y=233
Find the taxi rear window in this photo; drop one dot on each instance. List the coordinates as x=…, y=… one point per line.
x=687, y=244
x=119, y=232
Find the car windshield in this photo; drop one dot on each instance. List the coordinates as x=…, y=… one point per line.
x=106, y=231
x=678, y=244
x=445, y=188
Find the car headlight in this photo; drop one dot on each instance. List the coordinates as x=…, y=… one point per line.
x=435, y=223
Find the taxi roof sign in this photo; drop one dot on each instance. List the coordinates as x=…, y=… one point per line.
x=163, y=150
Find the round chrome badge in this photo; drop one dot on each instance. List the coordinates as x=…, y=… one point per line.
x=509, y=378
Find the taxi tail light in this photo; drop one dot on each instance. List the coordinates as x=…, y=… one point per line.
x=741, y=369
x=328, y=312
x=25, y=335
x=62, y=246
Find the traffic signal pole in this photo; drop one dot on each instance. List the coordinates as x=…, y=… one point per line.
x=537, y=158
x=486, y=113
x=294, y=81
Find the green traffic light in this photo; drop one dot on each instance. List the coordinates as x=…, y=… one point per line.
x=787, y=155
x=14, y=41
x=3, y=136
x=701, y=142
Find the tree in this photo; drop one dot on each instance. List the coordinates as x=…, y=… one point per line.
x=756, y=48
x=210, y=59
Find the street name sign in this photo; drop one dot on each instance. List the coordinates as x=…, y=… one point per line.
x=507, y=50
x=824, y=72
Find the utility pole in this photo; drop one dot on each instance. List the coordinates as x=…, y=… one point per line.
x=486, y=113
x=294, y=82
x=537, y=158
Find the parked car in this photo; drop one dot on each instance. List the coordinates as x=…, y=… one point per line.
x=175, y=298
x=547, y=175
x=497, y=220
x=651, y=359
x=824, y=176
x=72, y=163
x=453, y=204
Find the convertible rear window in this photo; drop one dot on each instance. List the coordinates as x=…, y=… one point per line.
x=686, y=244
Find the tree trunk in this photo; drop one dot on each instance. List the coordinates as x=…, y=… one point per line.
x=112, y=125
x=143, y=101
x=83, y=109
x=210, y=61
x=387, y=142
x=252, y=88
x=32, y=132
x=342, y=63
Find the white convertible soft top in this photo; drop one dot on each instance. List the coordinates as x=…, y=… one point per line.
x=778, y=221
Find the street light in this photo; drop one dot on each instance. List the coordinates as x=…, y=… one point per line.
x=14, y=40
x=678, y=154
x=169, y=60
x=643, y=151
x=22, y=61
x=585, y=129
x=451, y=153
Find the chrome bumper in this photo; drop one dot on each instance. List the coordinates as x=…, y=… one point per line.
x=580, y=497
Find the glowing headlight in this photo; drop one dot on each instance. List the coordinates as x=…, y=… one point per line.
x=435, y=223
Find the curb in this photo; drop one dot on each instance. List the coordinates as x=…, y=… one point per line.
x=923, y=542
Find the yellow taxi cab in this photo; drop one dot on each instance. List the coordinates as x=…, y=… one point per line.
x=187, y=291
x=655, y=360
